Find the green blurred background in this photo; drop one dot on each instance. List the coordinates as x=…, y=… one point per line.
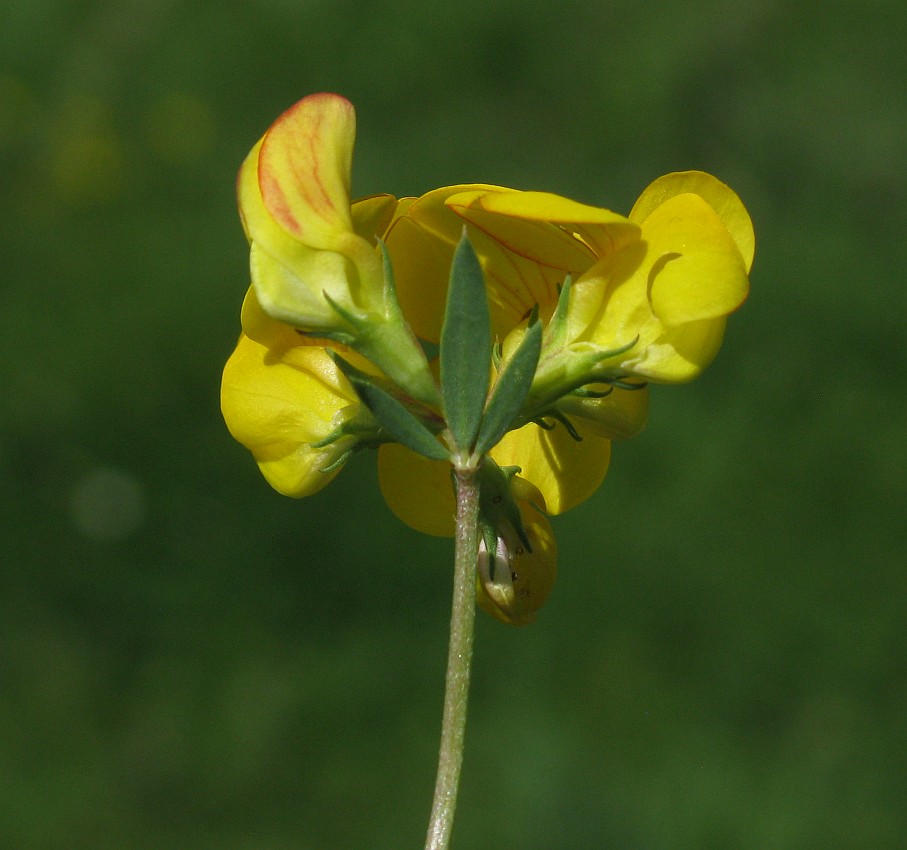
x=188, y=660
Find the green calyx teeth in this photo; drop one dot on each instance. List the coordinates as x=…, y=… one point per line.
x=558, y=417
x=583, y=392
x=340, y=460
x=497, y=506
x=627, y=385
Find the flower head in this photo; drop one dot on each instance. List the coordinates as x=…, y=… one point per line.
x=655, y=287
x=623, y=301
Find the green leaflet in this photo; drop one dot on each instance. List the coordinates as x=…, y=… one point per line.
x=511, y=388
x=391, y=414
x=465, y=347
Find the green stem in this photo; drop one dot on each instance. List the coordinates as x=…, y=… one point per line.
x=459, y=656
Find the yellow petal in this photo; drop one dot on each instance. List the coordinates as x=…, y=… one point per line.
x=679, y=354
x=421, y=263
x=535, y=239
x=304, y=169
x=431, y=211
x=609, y=304
x=373, y=215
x=294, y=204
x=696, y=271
x=421, y=243
x=720, y=198
x=418, y=490
x=291, y=288
x=601, y=229
x=258, y=224
x=686, y=268
x=294, y=469
x=260, y=327
x=422, y=256
x=276, y=405
x=566, y=471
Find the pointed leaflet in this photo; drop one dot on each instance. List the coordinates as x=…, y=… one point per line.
x=390, y=413
x=465, y=346
x=510, y=389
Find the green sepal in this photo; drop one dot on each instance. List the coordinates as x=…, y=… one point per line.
x=511, y=388
x=562, y=372
x=363, y=427
x=627, y=385
x=568, y=425
x=490, y=537
x=556, y=333
x=583, y=392
x=388, y=342
x=391, y=414
x=465, y=347
x=340, y=460
x=340, y=337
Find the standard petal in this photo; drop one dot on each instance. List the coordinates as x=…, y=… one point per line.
x=258, y=224
x=693, y=266
x=304, y=169
x=418, y=490
x=721, y=198
x=293, y=192
x=293, y=291
x=601, y=229
x=421, y=263
x=290, y=276
x=431, y=211
x=565, y=470
x=535, y=239
x=421, y=244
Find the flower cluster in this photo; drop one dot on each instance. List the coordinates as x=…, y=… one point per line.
x=346, y=295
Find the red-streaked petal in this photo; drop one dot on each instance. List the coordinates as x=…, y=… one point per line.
x=304, y=169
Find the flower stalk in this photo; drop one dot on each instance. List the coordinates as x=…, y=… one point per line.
x=459, y=659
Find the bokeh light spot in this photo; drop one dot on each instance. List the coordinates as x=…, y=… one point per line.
x=108, y=504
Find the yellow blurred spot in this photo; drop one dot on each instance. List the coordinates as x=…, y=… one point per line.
x=87, y=159
x=88, y=168
x=180, y=128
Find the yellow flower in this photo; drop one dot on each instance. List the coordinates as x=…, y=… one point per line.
x=313, y=257
x=293, y=191
x=514, y=583
x=669, y=282
x=282, y=397
x=649, y=299
x=664, y=277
